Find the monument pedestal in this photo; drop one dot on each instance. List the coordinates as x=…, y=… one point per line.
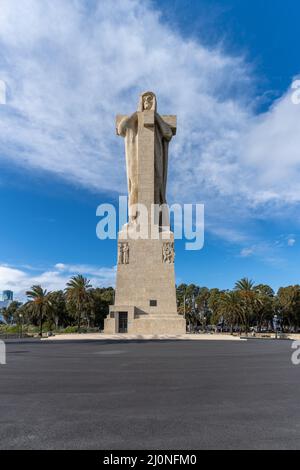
x=145, y=301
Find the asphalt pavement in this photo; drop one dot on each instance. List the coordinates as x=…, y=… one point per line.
x=149, y=395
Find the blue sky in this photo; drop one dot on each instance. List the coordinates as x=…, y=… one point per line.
x=224, y=67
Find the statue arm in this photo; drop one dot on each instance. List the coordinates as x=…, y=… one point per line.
x=125, y=123
x=164, y=128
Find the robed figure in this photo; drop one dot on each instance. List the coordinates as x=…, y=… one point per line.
x=128, y=127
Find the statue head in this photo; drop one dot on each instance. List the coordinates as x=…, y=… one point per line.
x=147, y=101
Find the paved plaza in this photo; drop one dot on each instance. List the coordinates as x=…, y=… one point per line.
x=149, y=395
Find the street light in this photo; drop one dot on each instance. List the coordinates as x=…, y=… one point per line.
x=275, y=324
x=20, y=325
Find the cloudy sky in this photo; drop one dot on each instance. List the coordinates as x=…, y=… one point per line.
x=225, y=68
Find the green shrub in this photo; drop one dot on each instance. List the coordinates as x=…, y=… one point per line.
x=69, y=329
x=47, y=326
x=12, y=329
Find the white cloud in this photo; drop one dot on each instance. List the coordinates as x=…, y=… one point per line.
x=246, y=252
x=71, y=66
x=270, y=251
x=106, y=274
x=285, y=240
x=291, y=241
x=271, y=148
x=54, y=278
x=228, y=234
x=70, y=70
x=2, y=92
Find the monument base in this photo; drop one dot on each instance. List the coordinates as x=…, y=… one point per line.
x=145, y=301
x=125, y=319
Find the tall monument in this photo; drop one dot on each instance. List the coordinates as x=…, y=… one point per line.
x=145, y=300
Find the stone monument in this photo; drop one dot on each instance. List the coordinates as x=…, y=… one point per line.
x=145, y=300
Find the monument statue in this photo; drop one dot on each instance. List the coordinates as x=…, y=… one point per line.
x=123, y=253
x=145, y=298
x=130, y=127
x=168, y=252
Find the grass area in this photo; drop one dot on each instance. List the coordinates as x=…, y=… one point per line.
x=31, y=330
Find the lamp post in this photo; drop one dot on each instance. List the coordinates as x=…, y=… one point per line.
x=275, y=324
x=20, y=325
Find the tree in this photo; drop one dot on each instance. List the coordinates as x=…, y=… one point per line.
x=288, y=305
x=101, y=299
x=2, y=314
x=58, y=314
x=39, y=303
x=245, y=287
x=202, y=305
x=10, y=312
x=263, y=304
x=78, y=294
x=180, y=294
x=265, y=289
x=230, y=308
x=186, y=302
x=26, y=313
x=214, y=305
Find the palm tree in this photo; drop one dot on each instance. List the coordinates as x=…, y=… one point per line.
x=39, y=302
x=230, y=308
x=78, y=294
x=245, y=287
